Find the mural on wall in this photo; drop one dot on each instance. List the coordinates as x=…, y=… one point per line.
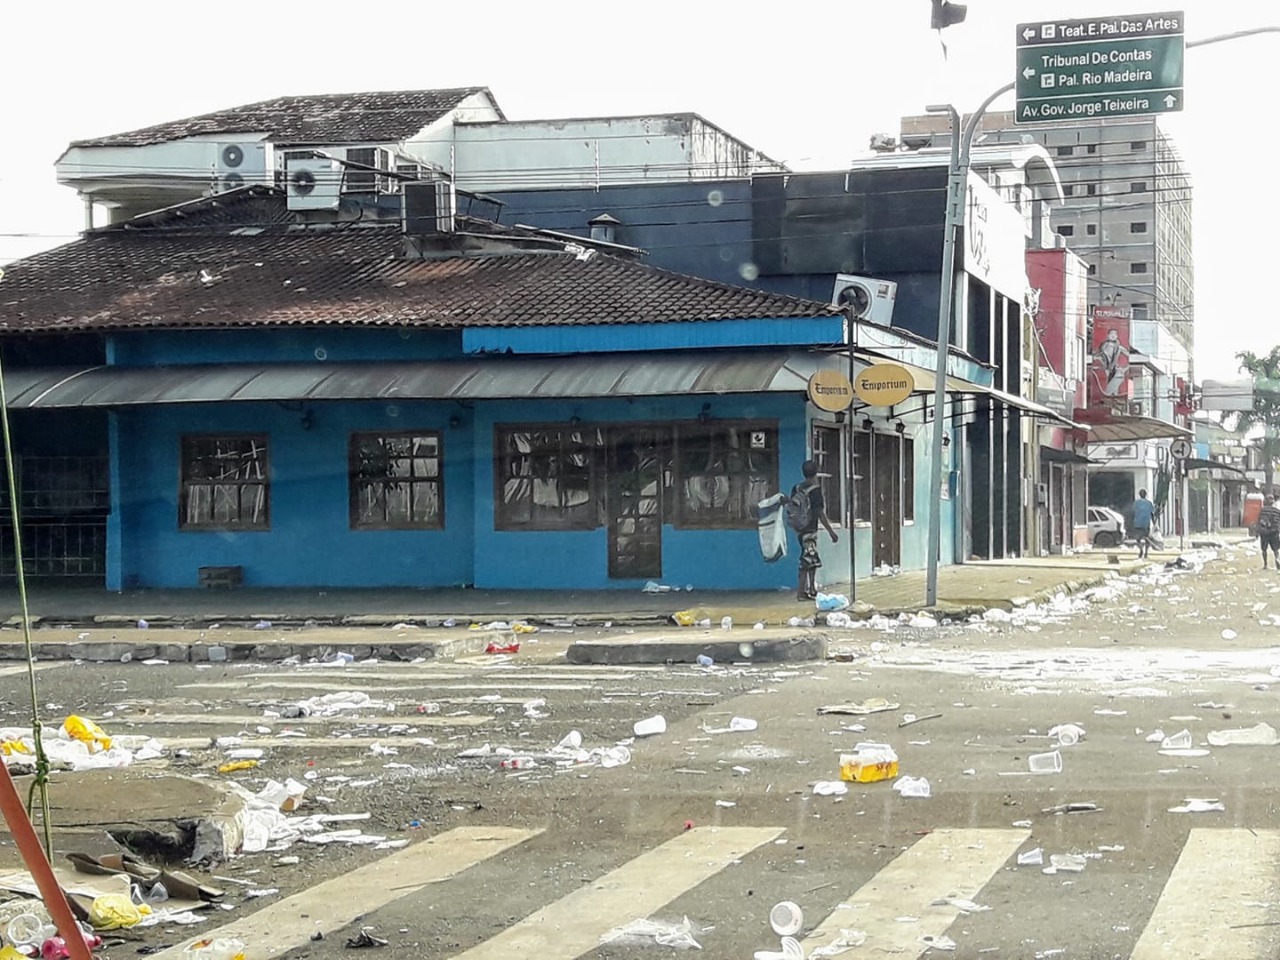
x=1109, y=382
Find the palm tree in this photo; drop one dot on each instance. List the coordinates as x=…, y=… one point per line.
x=1265, y=371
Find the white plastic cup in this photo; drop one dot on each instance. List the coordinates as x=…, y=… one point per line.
x=1045, y=762
x=1179, y=741
x=726, y=623
x=791, y=949
x=786, y=918
x=651, y=726
x=25, y=929
x=1067, y=736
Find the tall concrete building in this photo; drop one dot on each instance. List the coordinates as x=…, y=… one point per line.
x=1127, y=210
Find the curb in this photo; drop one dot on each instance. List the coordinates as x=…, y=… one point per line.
x=682, y=650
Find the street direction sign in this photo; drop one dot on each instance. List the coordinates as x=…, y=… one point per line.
x=1181, y=448
x=1104, y=67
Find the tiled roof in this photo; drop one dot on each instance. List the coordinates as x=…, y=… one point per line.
x=325, y=118
x=208, y=275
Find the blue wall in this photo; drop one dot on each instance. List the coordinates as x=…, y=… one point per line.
x=310, y=542
x=606, y=338
x=301, y=345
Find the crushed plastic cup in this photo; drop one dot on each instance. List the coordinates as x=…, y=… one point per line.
x=26, y=929
x=1031, y=858
x=1068, y=734
x=1045, y=762
x=1262, y=735
x=223, y=948
x=786, y=918
x=650, y=726
x=705, y=661
x=1067, y=862
x=1179, y=741
x=742, y=724
x=614, y=757
x=913, y=787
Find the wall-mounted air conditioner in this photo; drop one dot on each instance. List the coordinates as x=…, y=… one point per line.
x=239, y=164
x=427, y=207
x=870, y=300
x=312, y=184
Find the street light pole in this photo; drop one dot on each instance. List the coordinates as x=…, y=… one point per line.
x=957, y=179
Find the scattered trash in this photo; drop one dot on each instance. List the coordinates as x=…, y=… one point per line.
x=235, y=766
x=909, y=718
x=650, y=727
x=1045, y=762
x=1262, y=735
x=736, y=725
x=829, y=788
x=786, y=918
x=222, y=948
x=960, y=903
x=1229, y=634
x=913, y=787
x=791, y=950
x=725, y=803
x=828, y=602
x=873, y=705
x=502, y=648
x=939, y=942
x=1076, y=807
x=847, y=940
x=87, y=732
x=365, y=940
x=678, y=935
x=1155, y=736
x=1068, y=734
x=1111, y=713
x=705, y=661
x=922, y=621
x=1179, y=741
x=869, y=763
x=1031, y=858
x=1194, y=805
x=1065, y=863
x=693, y=617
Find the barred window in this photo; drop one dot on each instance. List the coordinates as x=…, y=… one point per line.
x=395, y=481
x=828, y=454
x=546, y=478
x=225, y=483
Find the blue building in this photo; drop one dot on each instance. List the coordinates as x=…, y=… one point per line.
x=218, y=387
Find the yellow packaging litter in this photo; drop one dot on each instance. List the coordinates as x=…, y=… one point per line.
x=10, y=747
x=869, y=763
x=112, y=911
x=87, y=732
x=234, y=766
x=692, y=618
x=9, y=952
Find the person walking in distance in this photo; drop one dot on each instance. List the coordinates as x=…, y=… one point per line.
x=1268, y=528
x=1143, y=511
x=805, y=509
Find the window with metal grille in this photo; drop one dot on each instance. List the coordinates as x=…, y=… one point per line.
x=396, y=482
x=225, y=483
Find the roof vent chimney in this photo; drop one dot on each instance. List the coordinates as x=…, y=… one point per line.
x=604, y=228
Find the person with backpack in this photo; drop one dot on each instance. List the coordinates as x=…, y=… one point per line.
x=1268, y=527
x=805, y=509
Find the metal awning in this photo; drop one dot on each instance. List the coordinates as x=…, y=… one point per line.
x=1055, y=455
x=488, y=378
x=926, y=380
x=1126, y=429
x=1195, y=463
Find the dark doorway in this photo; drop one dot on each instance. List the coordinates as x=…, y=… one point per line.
x=886, y=521
x=636, y=456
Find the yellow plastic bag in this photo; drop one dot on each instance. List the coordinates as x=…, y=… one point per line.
x=233, y=766
x=10, y=747
x=9, y=952
x=87, y=732
x=112, y=911
x=690, y=618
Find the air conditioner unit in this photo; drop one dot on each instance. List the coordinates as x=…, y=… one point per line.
x=869, y=299
x=312, y=184
x=427, y=207
x=238, y=164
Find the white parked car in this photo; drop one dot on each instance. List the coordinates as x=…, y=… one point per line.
x=1106, y=527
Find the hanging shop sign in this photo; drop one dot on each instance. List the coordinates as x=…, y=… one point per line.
x=884, y=384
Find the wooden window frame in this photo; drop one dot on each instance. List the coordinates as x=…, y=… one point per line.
x=595, y=481
x=187, y=483
x=681, y=429
x=355, y=482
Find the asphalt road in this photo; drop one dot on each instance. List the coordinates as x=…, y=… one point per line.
x=717, y=827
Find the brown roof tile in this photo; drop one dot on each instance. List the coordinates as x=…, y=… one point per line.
x=326, y=118
x=205, y=276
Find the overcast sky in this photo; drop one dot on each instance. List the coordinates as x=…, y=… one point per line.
x=807, y=82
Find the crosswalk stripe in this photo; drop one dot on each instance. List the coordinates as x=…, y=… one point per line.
x=346, y=718
x=573, y=925
x=330, y=906
x=22, y=668
x=946, y=863
x=358, y=683
x=1220, y=877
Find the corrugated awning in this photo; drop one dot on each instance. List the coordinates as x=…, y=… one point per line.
x=488, y=378
x=1195, y=463
x=1055, y=455
x=1105, y=427
x=926, y=379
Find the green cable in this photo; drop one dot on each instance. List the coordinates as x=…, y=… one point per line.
x=41, y=781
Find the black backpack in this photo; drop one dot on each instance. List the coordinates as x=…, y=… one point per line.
x=799, y=509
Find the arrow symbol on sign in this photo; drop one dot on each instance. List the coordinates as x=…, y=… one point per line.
x=1170, y=100
x=1028, y=33
x=1029, y=72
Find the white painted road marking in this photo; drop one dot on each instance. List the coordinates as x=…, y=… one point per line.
x=332, y=905
x=573, y=925
x=1220, y=878
x=946, y=863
